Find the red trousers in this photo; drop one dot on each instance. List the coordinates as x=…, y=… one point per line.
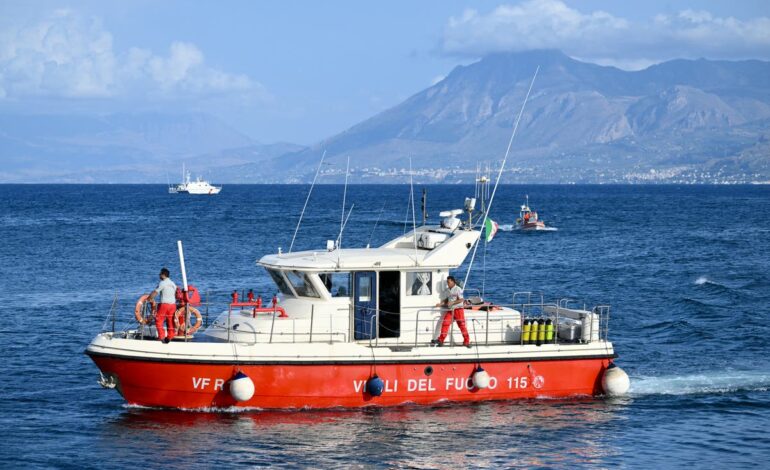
x=165, y=313
x=459, y=316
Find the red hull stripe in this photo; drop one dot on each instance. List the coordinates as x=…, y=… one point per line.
x=204, y=386
x=468, y=360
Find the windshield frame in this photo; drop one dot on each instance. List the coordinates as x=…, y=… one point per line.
x=306, y=289
x=280, y=281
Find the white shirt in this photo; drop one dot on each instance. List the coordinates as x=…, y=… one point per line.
x=453, y=295
x=167, y=290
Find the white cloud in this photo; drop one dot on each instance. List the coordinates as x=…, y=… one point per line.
x=601, y=36
x=67, y=55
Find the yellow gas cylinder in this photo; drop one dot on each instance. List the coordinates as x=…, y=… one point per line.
x=525, y=331
x=541, y=333
x=549, y=331
x=533, y=332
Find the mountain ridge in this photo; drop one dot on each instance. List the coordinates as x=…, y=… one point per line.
x=680, y=121
x=574, y=107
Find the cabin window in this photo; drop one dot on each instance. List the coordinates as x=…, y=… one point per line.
x=301, y=284
x=338, y=284
x=364, y=288
x=280, y=282
x=418, y=283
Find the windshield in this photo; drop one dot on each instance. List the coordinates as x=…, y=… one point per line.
x=280, y=282
x=338, y=284
x=301, y=284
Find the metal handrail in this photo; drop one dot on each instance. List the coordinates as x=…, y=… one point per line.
x=525, y=304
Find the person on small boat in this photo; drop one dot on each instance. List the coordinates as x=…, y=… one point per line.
x=453, y=301
x=167, y=306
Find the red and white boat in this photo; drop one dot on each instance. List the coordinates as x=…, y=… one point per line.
x=528, y=219
x=355, y=329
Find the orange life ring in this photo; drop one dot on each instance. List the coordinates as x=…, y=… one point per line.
x=139, y=309
x=179, y=323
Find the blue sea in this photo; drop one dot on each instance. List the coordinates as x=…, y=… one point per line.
x=685, y=268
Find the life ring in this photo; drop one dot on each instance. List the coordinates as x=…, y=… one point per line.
x=179, y=317
x=139, y=309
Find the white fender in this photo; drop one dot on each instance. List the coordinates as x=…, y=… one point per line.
x=615, y=381
x=241, y=387
x=480, y=379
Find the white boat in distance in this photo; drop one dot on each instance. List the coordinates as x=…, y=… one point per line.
x=199, y=186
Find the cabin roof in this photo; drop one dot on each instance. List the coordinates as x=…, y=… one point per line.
x=398, y=253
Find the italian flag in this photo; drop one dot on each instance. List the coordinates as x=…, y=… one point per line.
x=490, y=228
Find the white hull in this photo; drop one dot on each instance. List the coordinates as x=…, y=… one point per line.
x=213, y=190
x=199, y=186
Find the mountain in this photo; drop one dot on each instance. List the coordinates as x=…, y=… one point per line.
x=678, y=121
x=583, y=122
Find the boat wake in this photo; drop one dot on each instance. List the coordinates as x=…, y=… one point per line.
x=514, y=228
x=203, y=409
x=708, y=383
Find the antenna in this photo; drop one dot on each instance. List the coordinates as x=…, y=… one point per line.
x=318, y=170
x=375, y=225
x=424, y=205
x=345, y=224
x=414, y=220
x=406, y=214
x=342, y=215
x=499, y=175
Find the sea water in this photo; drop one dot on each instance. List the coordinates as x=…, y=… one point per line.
x=685, y=269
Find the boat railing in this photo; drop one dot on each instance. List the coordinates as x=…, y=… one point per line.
x=500, y=324
x=313, y=333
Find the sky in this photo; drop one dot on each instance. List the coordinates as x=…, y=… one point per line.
x=301, y=71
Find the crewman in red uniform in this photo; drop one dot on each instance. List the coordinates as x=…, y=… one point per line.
x=167, y=307
x=453, y=301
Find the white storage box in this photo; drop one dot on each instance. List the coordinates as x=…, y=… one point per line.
x=430, y=240
x=569, y=330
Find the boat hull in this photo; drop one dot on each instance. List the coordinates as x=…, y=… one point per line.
x=533, y=226
x=190, y=385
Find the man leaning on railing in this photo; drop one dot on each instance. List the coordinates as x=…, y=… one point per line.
x=453, y=300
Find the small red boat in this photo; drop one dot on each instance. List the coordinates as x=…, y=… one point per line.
x=528, y=219
x=355, y=328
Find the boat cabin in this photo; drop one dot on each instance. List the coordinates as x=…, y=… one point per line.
x=385, y=295
x=377, y=289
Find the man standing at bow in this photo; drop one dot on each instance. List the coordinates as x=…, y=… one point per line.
x=167, y=306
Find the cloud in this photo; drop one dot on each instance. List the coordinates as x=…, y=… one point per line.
x=68, y=55
x=601, y=36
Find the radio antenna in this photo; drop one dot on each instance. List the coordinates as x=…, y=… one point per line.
x=342, y=216
x=414, y=219
x=424, y=206
x=499, y=175
x=312, y=185
x=375, y=225
x=346, y=221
